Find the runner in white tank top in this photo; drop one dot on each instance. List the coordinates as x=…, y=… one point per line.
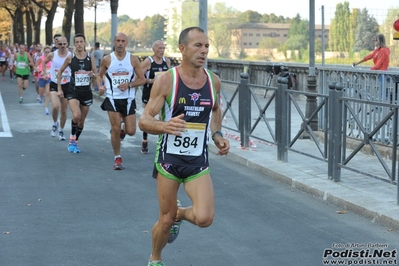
x=58, y=57
x=121, y=72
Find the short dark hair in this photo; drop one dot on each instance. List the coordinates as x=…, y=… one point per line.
x=79, y=35
x=97, y=45
x=56, y=35
x=183, y=38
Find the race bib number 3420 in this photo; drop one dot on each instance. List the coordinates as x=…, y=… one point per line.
x=120, y=78
x=190, y=142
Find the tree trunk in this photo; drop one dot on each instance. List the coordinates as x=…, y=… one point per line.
x=49, y=22
x=67, y=21
x=28, y=28
x=18, y=27
x=79, y=13
x=36, y=21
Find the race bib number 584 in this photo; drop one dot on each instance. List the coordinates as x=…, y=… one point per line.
x=190, y=142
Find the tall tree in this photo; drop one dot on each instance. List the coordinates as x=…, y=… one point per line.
x=298, y=34
x=249, y=16
x=50, y=6
x=354, y=18
x=221, y=26
x=158, y=27
x=28, y=26
x=36, y=15
x=67, y=20
x=367, y=27
x=339, y=39
x=79, y=16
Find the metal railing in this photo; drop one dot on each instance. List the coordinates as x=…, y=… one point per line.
x=354, y=110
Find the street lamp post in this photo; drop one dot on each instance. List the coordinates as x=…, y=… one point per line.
x=114, y=18
x=95, y=21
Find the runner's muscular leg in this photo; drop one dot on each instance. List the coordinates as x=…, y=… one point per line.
x=64, y=109
x=167, y=197
x=202, y=212
x=84, y=110
x=55, y=102
x=115, y=120
x=74, y=105
x=130, y=124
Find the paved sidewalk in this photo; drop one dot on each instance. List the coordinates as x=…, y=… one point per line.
x=356, y=193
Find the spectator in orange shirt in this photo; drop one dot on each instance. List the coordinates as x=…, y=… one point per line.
x=380, y=55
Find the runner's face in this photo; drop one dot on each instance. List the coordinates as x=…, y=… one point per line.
x=62, y=44
x=197, y=48
x=120, y=43
x=159, y=49
x=80, y=44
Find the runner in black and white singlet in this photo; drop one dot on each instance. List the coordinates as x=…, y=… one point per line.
x=188, y=98
x=152, y=66
x=82, y=66
x=191, y=147
x=121, y=72
x=58, y=57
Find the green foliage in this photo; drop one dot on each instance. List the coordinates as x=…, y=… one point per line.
x=339, y=39
x=367, y=27
x=298, y=34
x=249, y=16
x=221, y=27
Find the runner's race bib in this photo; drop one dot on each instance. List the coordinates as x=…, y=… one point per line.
x=65, y=76
x=21, y=65
x=190, y=142
x=120, y=78
x=82, y=78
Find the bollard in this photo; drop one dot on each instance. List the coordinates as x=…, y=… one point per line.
x=330, y=109
x=339, y=87
x=335, y=130
x=244, y=110
x=282, y=119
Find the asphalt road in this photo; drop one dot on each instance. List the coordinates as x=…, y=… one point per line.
x=58, y=208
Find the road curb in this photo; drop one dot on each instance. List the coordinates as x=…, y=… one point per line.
x=333, y=192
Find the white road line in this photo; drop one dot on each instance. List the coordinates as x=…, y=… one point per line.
x=3, y=115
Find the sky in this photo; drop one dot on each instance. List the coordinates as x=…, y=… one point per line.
x=141, y=9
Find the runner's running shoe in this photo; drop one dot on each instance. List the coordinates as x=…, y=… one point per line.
x=77, y=150
x=118, y=163
x=54, y=130
x=122, y=133
x=144, y=147
x=71, y=145
x=21, y=99
x=61, y=135
x=156, y=263
x=174, y=230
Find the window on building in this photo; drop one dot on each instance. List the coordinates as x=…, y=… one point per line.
x=250, y=43
x=245, y=34
x=244, y=43
x=258, y=35
x=264, y=34
x=250, y=34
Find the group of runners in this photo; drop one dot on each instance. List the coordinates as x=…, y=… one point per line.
x=181, y=107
